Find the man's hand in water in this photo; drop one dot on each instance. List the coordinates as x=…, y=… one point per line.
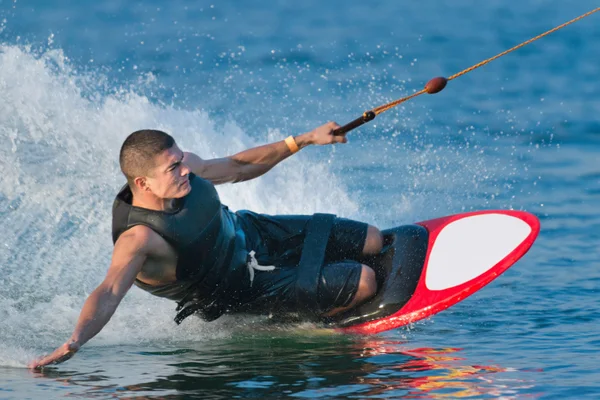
x=324, y=134
x=62, y=354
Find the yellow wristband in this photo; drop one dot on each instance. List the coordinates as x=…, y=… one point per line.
x=291, y=144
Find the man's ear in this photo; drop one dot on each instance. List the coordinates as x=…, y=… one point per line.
x=141, y=183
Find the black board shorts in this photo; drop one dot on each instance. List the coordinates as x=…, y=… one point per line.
x=278, y=241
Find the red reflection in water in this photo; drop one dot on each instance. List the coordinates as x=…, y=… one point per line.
x=434, y=373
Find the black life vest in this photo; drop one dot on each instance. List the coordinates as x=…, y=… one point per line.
x=209, y=241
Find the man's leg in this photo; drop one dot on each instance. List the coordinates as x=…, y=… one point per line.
x=346, y=284
x=367, y=287
x=373, y=241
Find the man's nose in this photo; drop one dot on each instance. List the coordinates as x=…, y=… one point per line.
x=185, y=170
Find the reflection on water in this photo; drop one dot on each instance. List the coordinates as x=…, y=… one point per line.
x=432, y=373
x=305, y=365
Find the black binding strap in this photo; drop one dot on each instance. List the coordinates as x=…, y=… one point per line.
x=207, y=313
x=311, y=262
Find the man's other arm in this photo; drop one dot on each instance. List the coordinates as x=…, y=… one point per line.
x=129, y=255
x=254, y=162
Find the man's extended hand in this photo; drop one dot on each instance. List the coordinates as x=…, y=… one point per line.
x=62, y=354
x=324, y=134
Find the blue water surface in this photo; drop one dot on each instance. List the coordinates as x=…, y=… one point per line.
x=520, y=133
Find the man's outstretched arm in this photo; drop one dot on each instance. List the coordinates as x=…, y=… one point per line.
x=256, y=161
x=129, y=255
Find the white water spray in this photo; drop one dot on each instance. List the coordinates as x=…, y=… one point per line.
x=59, y=143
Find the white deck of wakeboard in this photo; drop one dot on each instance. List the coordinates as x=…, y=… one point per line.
x=471, y=246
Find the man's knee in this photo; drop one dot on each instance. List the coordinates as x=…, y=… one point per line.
x=367, y=286
x=373, y=242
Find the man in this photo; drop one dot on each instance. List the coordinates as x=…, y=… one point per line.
x=174, y=239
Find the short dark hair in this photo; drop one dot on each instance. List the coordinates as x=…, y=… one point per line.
x=139, y=149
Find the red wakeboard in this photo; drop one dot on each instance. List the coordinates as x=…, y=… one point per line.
x=432, y=265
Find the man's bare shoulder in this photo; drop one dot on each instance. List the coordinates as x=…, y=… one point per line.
x=160, y=259
x=142, y=239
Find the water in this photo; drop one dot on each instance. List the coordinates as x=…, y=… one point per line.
x=520, y=133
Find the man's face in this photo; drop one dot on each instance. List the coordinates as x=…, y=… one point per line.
x=170, y=177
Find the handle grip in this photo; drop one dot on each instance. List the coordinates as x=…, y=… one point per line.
x=366, y=117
